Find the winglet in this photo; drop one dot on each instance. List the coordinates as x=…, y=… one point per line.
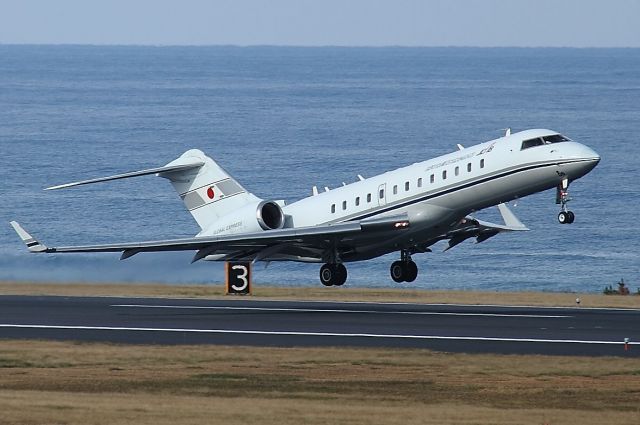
x=510, y=220
x=32, y=244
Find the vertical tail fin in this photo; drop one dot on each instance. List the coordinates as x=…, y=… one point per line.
x=208, y=191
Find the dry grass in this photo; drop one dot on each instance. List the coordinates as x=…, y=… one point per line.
x=322, y=293
x=73, y=383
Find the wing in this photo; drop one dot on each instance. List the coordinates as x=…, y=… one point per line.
x=470, y=227
x=307, y=243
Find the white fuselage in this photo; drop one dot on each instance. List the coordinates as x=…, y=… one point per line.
x=440, y=191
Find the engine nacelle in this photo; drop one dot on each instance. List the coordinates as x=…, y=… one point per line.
x=254, y=217
x=270, y=215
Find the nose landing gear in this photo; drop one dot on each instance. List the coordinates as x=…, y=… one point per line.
x=404, y=270
x=562, y=197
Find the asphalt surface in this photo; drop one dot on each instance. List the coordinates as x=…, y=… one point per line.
x=245, y=321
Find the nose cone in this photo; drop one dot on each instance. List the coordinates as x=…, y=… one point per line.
x=588, y=154
x=584, y=159
x=590, y=157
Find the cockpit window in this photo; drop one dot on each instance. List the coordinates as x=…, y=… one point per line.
x=546, y=140
x=531, y=143
x=555, y=138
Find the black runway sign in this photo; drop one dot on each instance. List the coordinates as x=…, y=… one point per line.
x=238, y=275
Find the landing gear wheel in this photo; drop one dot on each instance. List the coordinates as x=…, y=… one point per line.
x=341, y=275
x=566, y=217
x=403, y=271
x=327, y=274
x=410, y=271
x=571, y=217
x=397, y=271
x=333, y=274
x=563, y=217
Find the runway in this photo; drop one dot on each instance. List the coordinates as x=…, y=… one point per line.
x=245, y=321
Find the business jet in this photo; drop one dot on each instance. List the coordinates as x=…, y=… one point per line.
x=406, y=210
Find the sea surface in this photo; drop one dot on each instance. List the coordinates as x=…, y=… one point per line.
x=281, y=120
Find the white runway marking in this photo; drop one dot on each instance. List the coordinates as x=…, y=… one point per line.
x=330, y=310
x=328, y=334
x=329, y=301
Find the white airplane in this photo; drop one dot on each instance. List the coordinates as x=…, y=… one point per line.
x=405, y=210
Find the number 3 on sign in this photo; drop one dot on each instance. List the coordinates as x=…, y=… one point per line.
x=238, y=277
x=242, y=276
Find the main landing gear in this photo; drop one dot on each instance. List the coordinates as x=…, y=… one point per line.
x=562, y=197
x=404, y=270
x=333, y=274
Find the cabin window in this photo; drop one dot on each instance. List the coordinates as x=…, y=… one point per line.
x=444, y=174
x=432, y=178
x=357, y=201
x=368, y=197
x=420, y=182
x=344, y=205
x=406, y=186
x=482, y=163
x=457, y=171
x=381, y=194
x=333, y=208
x=395, y=189
x=469, y=167
x=531, y=143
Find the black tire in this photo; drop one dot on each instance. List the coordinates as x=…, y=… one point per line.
x=563, y=217
x=397, y=271
x=341, y=275
x=571, y=217
x=327, y=274
x=410, y=271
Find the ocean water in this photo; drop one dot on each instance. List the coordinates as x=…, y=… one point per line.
x=284, y=119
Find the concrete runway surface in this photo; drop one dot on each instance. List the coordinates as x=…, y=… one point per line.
x=246, y=321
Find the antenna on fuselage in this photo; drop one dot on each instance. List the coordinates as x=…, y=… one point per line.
x=507, y=131
x=360, y=177
x=314, y=190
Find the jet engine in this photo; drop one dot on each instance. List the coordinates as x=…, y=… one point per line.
x=269, y=215
x=254, y=217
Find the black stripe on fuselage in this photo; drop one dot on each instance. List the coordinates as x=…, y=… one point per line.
x=456, y=188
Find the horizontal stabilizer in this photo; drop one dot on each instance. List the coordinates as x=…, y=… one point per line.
x=158, y=170
x=30, y=241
